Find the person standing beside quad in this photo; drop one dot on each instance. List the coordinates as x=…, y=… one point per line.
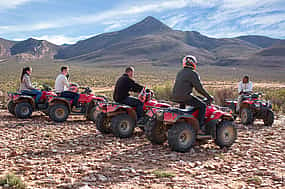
x=123, y=86
x=187, y=79
x=244, y=87
x=26, y=86
x=62, y=85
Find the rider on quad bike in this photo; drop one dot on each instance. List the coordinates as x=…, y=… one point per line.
x=62, y=85
x=187, y=79
x=26, y=86
x=123, y=86
x=245, y=87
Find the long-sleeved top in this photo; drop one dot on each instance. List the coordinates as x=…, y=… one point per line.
x=123, y=86
x=245, y=87
x=61, y=83
x=26, y=83
x=186, y=80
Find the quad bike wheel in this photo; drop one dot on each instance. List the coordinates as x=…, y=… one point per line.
x=155, y=132
x=226, y=134
x=23, y=110
x=11, y=107
x=268, y=120
x=92, y=115
x=123, y=126
x=246, y=116
x=181, y=137
x=103, y=123
x=58, y=112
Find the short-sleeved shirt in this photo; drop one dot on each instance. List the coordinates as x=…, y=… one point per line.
x=61, y=83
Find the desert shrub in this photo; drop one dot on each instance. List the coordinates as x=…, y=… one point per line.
x=12, y=181
x=163, y=91
x=222, y=94
x=277, y=98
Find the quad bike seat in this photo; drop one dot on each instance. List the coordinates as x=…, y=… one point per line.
x=28, y=94
x=188, y=110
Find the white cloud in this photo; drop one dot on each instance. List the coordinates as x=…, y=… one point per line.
x=175, y=20
x=59, y=39
x=223, y=18
x=122, y=12
x=264, y=20
x=8, y=4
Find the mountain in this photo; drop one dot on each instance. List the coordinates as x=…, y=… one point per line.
x=261, y=41
x=28, y=50
x=5, y=46
x=151, y=41
x=34, y=49
x=148, y=26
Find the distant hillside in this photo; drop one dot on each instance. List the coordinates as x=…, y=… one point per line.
x=5, y=46
x=152, y=42
x=28, y=50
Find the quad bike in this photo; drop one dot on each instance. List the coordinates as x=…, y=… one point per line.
x=121, y=119
x=180, y=127
x=251, y=108
x=61, y=107
x=22, y=105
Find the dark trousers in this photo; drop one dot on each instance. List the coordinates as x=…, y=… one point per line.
x=33, y=92
x=71, y=95
x=199, y=104
x=134, y=102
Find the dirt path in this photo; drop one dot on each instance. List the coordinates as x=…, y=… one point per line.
x=75, y=154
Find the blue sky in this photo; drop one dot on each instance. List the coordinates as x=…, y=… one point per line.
x=67, y=21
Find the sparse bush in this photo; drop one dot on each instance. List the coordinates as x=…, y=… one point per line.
x=222, y=94
x=12, y=181
x=163, y=174
x=163, y=91
x=277, y=98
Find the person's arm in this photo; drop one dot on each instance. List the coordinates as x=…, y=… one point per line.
x=65, y=82
x=135, y=87
x=199, y=87
x=250, y=86
x=28, y=82
x=239, y=87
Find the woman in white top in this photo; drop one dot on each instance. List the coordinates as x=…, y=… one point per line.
x=26, y=86
x=244, y=87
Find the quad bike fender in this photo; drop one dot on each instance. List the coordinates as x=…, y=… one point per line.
x=28, y=99
x=59, y=100
x=93, y=103
x=220, y=115
x=122, y=110
x=108, y=108
x=246, y=103
x=173, y=118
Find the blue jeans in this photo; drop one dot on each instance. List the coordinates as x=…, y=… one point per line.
x=134, y=102
x=33, y=92
x=72, y=96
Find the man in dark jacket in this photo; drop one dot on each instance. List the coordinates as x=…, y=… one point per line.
x=186, y=80
x=124, y=85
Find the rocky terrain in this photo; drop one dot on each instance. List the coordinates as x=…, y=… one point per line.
x=75, y=155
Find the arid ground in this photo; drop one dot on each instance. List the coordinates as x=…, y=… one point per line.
x=74, y=154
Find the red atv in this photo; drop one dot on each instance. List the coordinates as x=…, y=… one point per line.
x=22, y=105
x=120, y=119
x=60, y=107
x=251, y=108
x=180, y=127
